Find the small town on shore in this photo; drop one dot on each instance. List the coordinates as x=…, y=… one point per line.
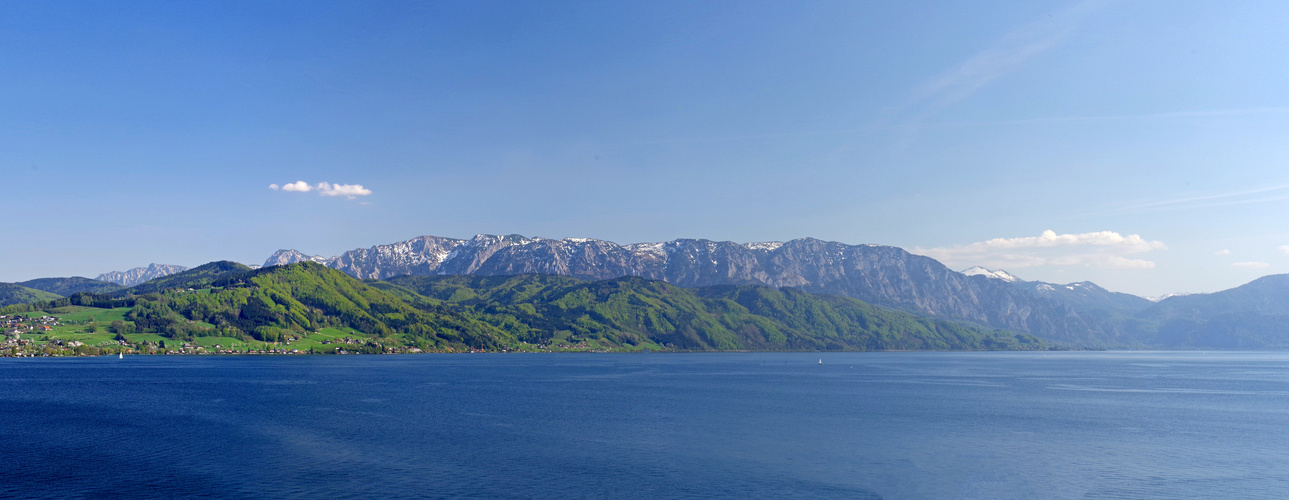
x=30, y=337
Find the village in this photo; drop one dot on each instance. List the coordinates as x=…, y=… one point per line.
x=15, y=325
x=22, y=338
x=34, y=336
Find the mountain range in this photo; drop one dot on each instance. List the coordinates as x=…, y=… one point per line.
x=1076, y=314
x=139, y=274
x=453, y=313
x=876, y=274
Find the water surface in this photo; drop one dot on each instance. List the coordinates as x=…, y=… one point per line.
x=859, y=426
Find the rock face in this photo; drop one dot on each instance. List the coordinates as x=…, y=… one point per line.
x=140, y=274
x=882, y=275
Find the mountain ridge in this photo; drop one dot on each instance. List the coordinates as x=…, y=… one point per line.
x=877, y=274
x=140, y=274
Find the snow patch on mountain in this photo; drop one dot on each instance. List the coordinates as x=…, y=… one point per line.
x=997, y=274
x=1167, y=295
x=658, y=250
x=284, y=256
x=768, y=246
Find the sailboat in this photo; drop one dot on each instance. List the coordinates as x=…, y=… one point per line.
x=120, y=355
x=821, y=361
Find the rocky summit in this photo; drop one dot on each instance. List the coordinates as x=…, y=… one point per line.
x=140, y=274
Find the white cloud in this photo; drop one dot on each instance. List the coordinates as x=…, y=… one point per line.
x=298, y=186
x=349, y=191
x=1251, y=265
x=346, y=190
x=1283, y=248
x=1222, y=252
x=1103, y=249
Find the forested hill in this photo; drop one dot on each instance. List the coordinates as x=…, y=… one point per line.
x=633, y=310
x=198, y=277
x=285, y=302
x=17, y=294
x=282, y=303
x=68, y=286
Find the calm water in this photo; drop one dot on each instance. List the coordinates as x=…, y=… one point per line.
x=860, y=426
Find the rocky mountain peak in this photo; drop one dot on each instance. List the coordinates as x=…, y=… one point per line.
x=140, y=274
x=285, y=256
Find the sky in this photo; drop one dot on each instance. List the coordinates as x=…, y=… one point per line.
x=1141, y=145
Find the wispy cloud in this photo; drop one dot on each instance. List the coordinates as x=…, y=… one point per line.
x=1008, y=54
x=1222, y=252
x=1251, y=265
x=349, y=191
x=1283, y=248
x=1211, y=113
x=1103, y=249
x=1242, y=197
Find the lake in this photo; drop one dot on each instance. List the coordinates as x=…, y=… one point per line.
x=987, y=425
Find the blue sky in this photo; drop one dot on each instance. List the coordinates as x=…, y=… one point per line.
x=1141, y=145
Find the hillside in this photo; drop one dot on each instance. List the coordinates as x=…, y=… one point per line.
x=17, y=294
x=285, y=302
x=197, y=277
x=633, y=310
x=1251, y=316
x=72, y=285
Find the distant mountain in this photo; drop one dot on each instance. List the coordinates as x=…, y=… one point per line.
x=284, y=257
x=140, y=274
x=1158, y=298
x=1087, y=296
x=1251, y=316
x=17, y=294
x=880, y=275
x=69, y=286
x=1084, y=297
